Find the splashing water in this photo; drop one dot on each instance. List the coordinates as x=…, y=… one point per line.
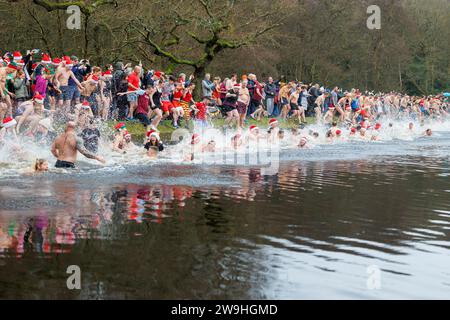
x=17, y=157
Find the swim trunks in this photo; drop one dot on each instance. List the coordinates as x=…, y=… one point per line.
x=64, y=164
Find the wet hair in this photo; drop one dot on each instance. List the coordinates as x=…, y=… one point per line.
x=39, y=163
x=316, y=134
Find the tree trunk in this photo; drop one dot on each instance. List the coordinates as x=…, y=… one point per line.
x=86, y=36
x=199, y=74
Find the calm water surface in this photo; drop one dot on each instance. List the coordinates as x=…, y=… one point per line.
x=229, y=232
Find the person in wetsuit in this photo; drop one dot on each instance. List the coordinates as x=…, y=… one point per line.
x=91, y=136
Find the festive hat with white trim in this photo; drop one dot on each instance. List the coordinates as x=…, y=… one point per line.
x=17, y=56
x=9, y=122
x=38, y=98
x=46, y=58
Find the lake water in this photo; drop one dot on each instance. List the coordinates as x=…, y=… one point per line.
x=356, y=221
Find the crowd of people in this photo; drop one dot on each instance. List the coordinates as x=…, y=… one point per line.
x=40, y=94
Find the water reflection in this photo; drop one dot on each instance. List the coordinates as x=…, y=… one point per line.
x=308, y=232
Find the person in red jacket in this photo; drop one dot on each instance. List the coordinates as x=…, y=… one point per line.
x=134, y=84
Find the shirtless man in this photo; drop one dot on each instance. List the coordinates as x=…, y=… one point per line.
x=284, y=94
x=345, y=105
x=66, y=146
x=61, y=81
x=33, y=112
x=293, y=103
x=5, y=95
x=319, y=105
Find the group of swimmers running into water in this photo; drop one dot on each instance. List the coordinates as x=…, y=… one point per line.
x=39, y=97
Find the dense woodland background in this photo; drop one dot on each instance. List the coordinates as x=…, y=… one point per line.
x=324, y=41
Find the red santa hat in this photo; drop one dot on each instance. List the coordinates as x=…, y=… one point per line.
x=17, y=56
x=38, y=98
x=21, y=63
x=353, y=130
x=46, y=58
x=253, y=128
x=56, y=61
x=273, y=122
x=120, y=126
x=94, y=79
x=85, y=105
x=107, y=73
x=377, y=126
x=68, y=62
x=153, y=133
x=158, y=74
x=126, y=134
x=195, y=138
x=338, y=132
x=237, y=86
x=9, y=122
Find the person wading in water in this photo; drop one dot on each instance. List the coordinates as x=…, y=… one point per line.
x=66, y=146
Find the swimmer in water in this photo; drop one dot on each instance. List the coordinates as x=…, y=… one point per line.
x=195, y=146
x=153, y=144
x=67, y=145
x=209, y=147
x=428, y=133
x=236, y=141
x=303, y=143
x=41, y=165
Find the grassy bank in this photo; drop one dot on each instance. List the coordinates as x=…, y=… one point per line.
x=138, y=131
